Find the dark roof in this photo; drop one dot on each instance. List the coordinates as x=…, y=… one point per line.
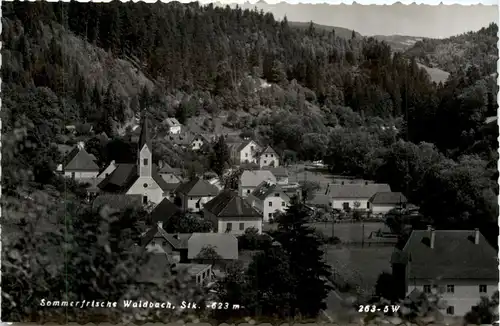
x=183, y=138
x=178, y=241
x=225, y=244
x=229, y=204
x=198, y=188
x=360, y=190
x=278, y=171
x=265, y=189
x=164, y=211
x=79, y=160
x=145, y=137
x=124, y=176
x=388, y=198
x=454, y=256
x=117, y=201
x=121, y=179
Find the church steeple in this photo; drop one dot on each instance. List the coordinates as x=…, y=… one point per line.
x=145, y=150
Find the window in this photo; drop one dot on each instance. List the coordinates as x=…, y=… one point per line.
x=197, y=205
x=266, y=155
x=270, y=214
x=73, y=175
x=450, y=288
x=450, y=310
x=345, y=205
x=242, y=226
x=248, y=191
x=427, y=289
x=246, y=154
x=251, y=147
x=283, y=204
x=145, y=161
x=270, y=204
x=272, y=155
x=483, y=289
x=276, y=195
x=368, y=204
x=229, y=226
x=265, y=162
x=144, y=199
x=145, y=185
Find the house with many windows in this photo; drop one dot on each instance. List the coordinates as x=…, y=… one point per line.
x=459, y=263
x=194, y=194
x=230, y=213
x=268, y=199
x=140, y=178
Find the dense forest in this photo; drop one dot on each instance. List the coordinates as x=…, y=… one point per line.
x=306, y=91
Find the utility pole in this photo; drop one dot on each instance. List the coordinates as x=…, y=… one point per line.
x=362, y=233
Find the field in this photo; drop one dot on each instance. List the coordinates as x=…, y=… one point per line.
x=346, y=232
x=437, y=75
x=359, y=266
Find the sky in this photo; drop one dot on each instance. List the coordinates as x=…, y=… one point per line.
x=436, y=21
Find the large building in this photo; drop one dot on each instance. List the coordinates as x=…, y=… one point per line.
x=141, y=178
x=354, y=196
x=459, y=263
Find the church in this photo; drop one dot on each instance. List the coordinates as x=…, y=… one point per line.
x=141, y=178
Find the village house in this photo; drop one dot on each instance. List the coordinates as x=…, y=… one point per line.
x=174, y=126
x=250, y=179
x=225, y=246
x=230, y=213
x=141, y=178
x=269, y=198
x=269, y=157
x=197, y=142
x=192, y=195
x=163, y=212
x=156, y=239
x=280, y=172
x=459, y=263
x=354, y=196
x=244, y=152
x=78, y=164
x=382, y=202
x=169, y=174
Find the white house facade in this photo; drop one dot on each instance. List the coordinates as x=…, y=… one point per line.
x=353, y=196
x=174, y=127
x=249, y=180
x=269, y=199
x=269, y=158
x=194, y=194
x=246, y=152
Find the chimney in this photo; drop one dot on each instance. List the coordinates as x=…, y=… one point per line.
x=81, y=145
x=433, y=238
x=160, y=225
x=476, y=236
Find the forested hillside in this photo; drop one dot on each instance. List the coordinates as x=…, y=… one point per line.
x=309, y=93
x=459, y=52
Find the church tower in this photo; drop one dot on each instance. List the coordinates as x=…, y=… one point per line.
x=145, y=150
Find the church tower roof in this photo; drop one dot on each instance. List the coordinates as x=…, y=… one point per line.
x=145, y=137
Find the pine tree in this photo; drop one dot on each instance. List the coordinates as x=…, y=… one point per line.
x=307, y=265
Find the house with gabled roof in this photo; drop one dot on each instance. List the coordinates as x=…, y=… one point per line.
x=269, y=157
x=163, y=212
x=170, y=174
x=140, y=178
x=244, y=152
x=230, y=213
x=174, y=126
x=250, y=179
x=354, y=196
x=460, y=264
x=193, y=194
x=269, y=199
x=79, y=164
x=280, y=172
x=383, y=202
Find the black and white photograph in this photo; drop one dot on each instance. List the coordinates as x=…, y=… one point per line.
x=254, y=163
